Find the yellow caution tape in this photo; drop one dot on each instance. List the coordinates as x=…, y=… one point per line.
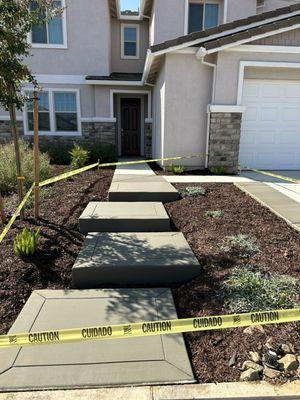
x=16, y=213
x=21, y=178
x=150, y=328
x=284, y=178
x=114, y=164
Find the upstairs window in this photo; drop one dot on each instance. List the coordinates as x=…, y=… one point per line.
x=130, y=41
x=51, y=32
x=203, y=16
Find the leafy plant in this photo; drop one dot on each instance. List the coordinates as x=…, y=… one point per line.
x=215, y=214
x=248, y=290
x=26, y=243
x=8, y=174
x=191, y=191
x=59, y=151
x=79, y=156
x=177, y=169
x=241, y=243
x=104, y=152
x=218, y=170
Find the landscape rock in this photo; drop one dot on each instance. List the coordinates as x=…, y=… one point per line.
x=289, y=362
x=255, y=356
x=271, y=373
x=287, y=349
x=249, y=375
x=251, y=330
x=232, y=360
x=271, y=345
x=252, y=365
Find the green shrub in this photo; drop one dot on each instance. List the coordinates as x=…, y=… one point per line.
x=248, y=290
x=26, y=243
x=177, y=169
x=106, y=153
x=192, y=191
x=219, y=170
x=8, y=175
x=215, y=214
x=79, y=156
x=59, y=151
x=241, y=243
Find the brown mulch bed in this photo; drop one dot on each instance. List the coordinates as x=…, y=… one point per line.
x=280, y=253
x=59, y=245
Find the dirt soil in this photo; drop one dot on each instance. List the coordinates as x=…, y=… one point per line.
x=59, y=246
x=280, y=253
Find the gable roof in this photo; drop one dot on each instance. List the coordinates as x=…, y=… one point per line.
x=246, y=27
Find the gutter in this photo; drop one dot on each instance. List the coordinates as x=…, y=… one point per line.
x=149, y=58
x=200, y=55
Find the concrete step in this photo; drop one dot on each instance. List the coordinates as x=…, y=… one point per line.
x=124, y=217
x=141, y=188
x=134, y=258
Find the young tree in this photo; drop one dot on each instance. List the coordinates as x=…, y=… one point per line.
x=17, y=17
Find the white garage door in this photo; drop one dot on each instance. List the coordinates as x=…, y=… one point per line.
x=270, y=137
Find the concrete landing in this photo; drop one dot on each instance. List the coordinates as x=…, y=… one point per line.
x=134, y=258
x=279, y=203
x=124, y=217
x=139, y=183
x=130, y=361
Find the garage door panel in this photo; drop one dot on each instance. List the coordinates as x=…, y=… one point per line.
x=270, y=136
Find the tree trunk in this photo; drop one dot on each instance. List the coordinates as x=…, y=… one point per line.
x=2, y=211
x=36, y=153
x=14, y=131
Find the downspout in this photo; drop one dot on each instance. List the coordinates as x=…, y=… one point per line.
x=201, y=53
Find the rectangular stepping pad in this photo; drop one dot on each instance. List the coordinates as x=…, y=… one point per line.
x=130, y=361
x=142, y=188
x=124, y=217
x=134, y=258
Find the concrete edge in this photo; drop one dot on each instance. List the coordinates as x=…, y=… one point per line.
x=244, y=190
x=228, y=391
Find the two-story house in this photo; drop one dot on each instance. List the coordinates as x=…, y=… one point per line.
x=180, y=77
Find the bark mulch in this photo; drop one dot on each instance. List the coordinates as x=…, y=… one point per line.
x=280, y=253
x=59, y=245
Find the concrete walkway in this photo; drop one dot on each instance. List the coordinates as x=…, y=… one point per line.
x=139, y=183
x=282, y=205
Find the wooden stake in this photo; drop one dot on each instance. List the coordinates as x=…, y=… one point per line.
x=36, y=154
x=14, y=131
x=2, y=211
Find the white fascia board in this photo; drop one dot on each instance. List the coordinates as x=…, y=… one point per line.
x=225, y=109
x=149, y=58
x=61, y=79
x=256, y=48
x=253, y=38
x=98, y=119
x=114, y=83
x=225, y=33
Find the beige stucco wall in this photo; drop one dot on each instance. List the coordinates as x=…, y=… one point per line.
x=238, y=9
x=188, y=91
x=228, y=71
x=88, y=52
x=128, y=65
x=167, y=20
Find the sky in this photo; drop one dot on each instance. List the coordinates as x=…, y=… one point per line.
x=130, y=4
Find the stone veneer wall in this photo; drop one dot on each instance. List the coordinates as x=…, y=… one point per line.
x=92, y=132
x=224, y=140
x=148, y=140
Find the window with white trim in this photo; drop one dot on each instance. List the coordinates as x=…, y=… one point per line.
x=130, y=41
x=59, y=112
x=203, y=16
x=51, y=33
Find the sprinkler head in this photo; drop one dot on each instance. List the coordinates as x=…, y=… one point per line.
x=271, y=359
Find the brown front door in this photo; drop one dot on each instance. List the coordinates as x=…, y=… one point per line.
x=130, y=126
